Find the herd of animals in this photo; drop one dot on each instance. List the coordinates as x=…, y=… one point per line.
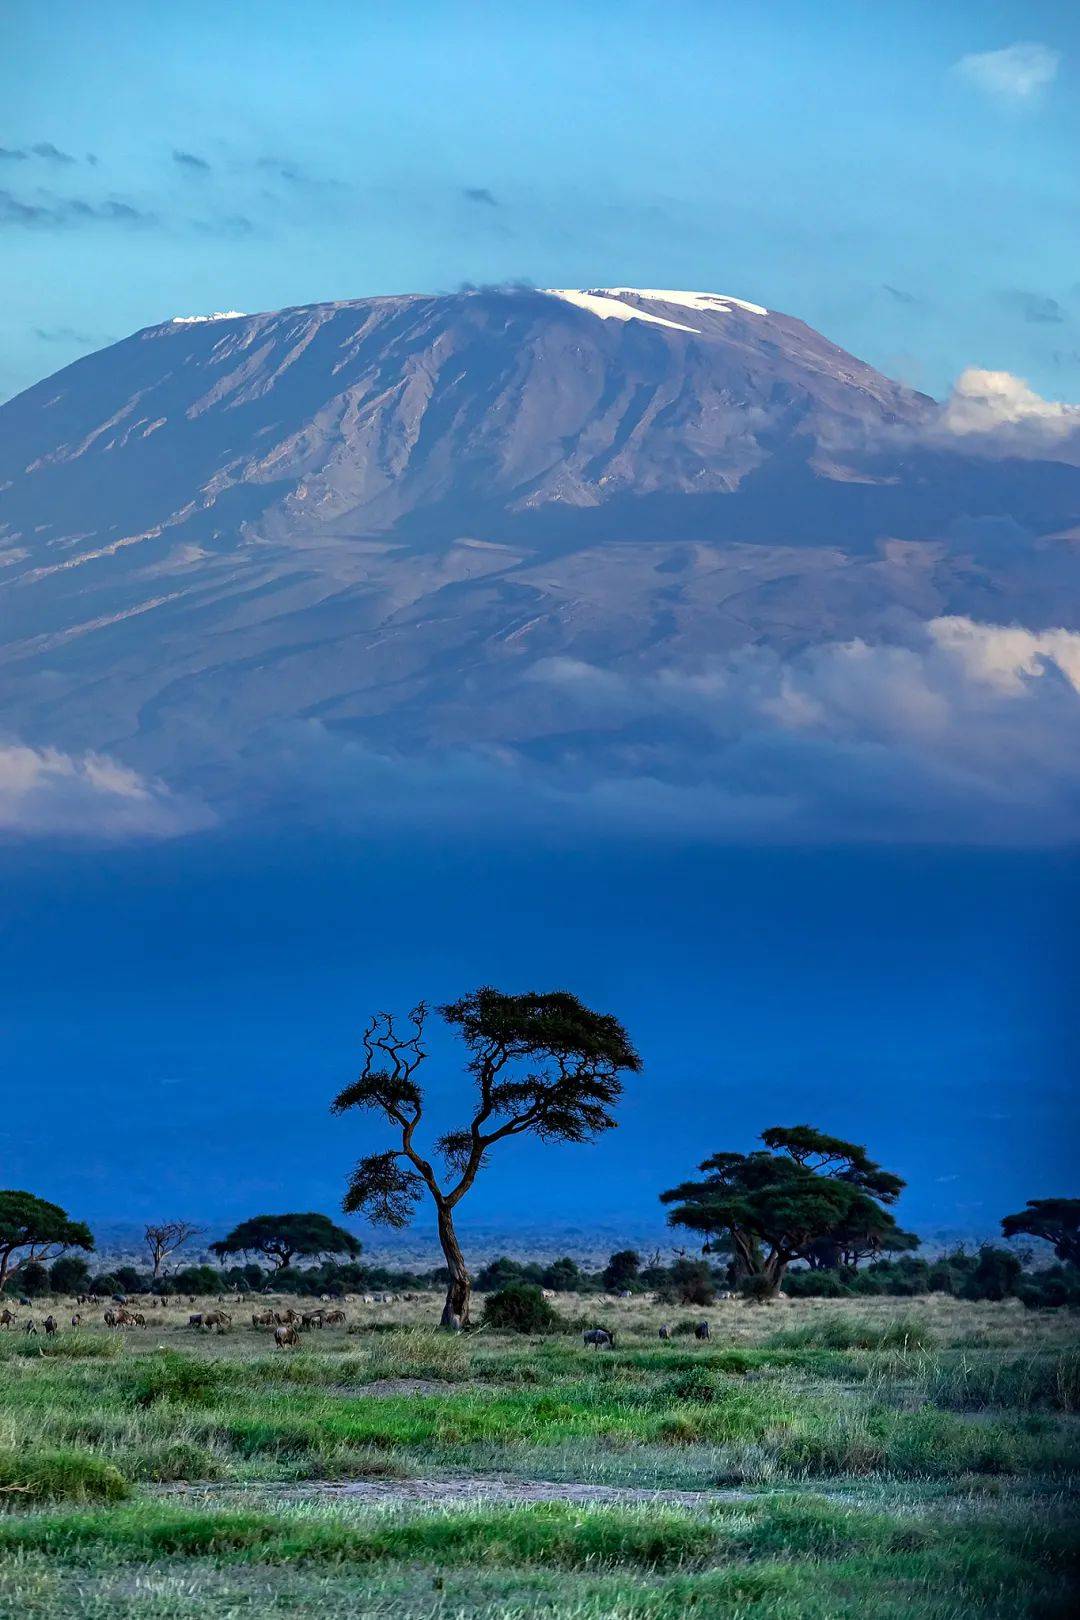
x=287, y=1324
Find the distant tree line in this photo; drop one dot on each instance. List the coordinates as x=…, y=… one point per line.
x=805, y=1212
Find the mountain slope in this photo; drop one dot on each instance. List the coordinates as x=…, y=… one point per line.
x=384, y=516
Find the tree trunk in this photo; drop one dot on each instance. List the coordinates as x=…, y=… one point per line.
x=456, y=1309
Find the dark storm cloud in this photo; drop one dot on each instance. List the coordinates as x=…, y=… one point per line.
x=48, y=212
x=190, y=162
x=480, y=194
x=1035, y=308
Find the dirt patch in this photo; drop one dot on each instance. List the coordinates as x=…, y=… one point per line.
x=400, y=1386
x=461, y=1492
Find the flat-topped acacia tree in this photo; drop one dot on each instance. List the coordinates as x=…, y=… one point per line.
x=541, y=1064
x=33, y=1231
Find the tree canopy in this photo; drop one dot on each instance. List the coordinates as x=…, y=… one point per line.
x=1055, y=1219
x=541, y=1063
x=774, y=1205
x=284, y=1238
x=33, y=1230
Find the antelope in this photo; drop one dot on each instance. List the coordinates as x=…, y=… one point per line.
x=599, y=1338
x=50, y=1325
x=701, y=1331
x=665, y=1331
x=286, y=1335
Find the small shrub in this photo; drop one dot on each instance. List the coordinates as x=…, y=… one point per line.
x=521, y=1308
x=59, y=1476
x=173, y=1377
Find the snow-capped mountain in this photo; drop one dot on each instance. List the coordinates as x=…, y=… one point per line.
x=385, y=515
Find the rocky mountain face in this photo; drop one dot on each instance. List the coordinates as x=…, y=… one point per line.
x=390, y=517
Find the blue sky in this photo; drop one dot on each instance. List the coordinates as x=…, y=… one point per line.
x=883, y=171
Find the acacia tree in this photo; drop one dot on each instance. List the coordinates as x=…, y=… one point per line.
x=163, y=1238
x=35, y=1231
x=1055, y=1219
x=542, y=1064
x=776, y=1205
x=281, y=1238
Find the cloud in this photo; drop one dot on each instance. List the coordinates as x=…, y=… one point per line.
x=41, y=149
x=1001, y=413
x=899, y=294
x=67, y=334
x=965, y=733
x=52, y=212
x=46, y=792
x=190, y=162
x=51, y=153
x=1034, y=307
x=480, y=194
x=1015, y=75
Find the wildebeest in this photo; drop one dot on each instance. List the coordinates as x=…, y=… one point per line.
x=7, y=1318
x=76, y=1320
x=311, y=1319
x=262, y=1319
x=285, y=1318
x=195, y=1320
x=701, y=1331
x=28, y=1325
x=665, y=1331
x=599, y=1338
x=50, y=1325
x=286, y=1335
x=217, y=1319
x=110, y=1318
x=334, y=1318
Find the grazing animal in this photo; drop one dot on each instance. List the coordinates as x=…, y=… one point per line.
x=217, y=1319
x=28, y=1325
x=50, y=1325
x=599, y=1338
x=311, y=1319
x=334, y=1318
x=285, y=1318
x=7, y=1318
x=286, y=1335
x=110, y=1319
x=665, y=1331
x=76, y=1319
x=725, y=1296
x=701, y=1331
x=25, y=1300
x=262, y=1319
x=195, y=1321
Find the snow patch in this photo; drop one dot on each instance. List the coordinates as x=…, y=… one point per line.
x=721, y=302
x=611, y=309
x=607, y=302
x=218, y=315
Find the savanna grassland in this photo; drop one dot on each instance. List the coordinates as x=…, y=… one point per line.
x=813, y=1459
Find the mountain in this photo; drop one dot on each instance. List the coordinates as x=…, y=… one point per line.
x=385, y=516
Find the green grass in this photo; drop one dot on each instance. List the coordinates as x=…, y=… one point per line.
x=892, y=1473
x=782, y=1557
x=42, y=1475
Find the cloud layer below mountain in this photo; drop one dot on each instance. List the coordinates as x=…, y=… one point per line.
x=47, y=792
